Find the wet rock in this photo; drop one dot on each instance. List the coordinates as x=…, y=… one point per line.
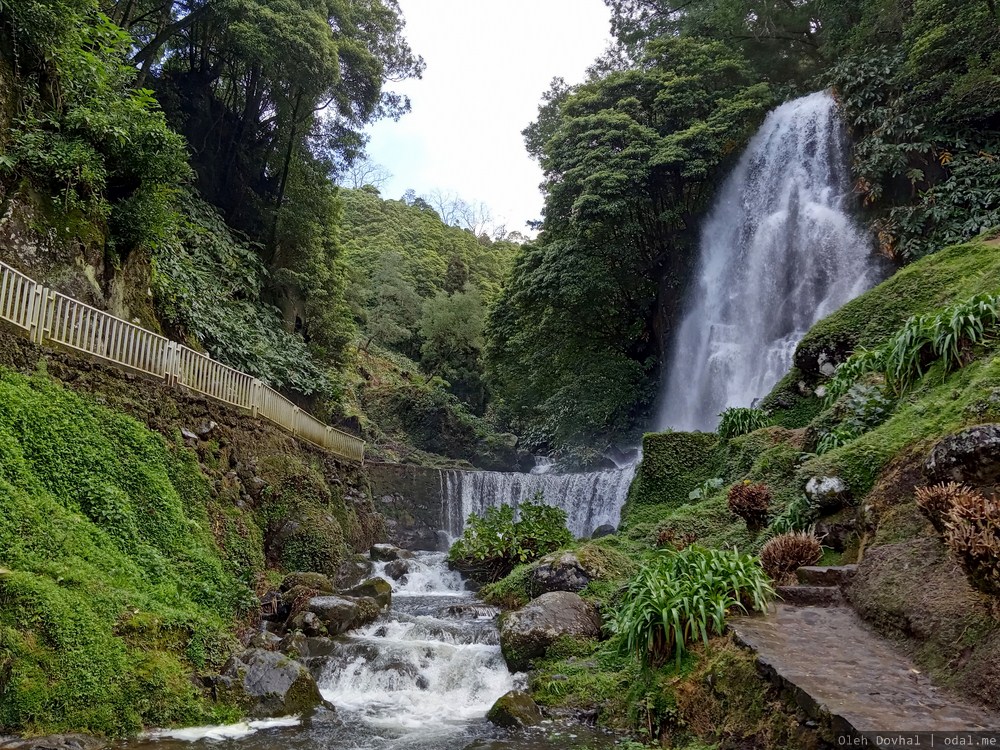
x=397, y=569
x=388, y=553
x=266, y=640
x=827, y=493
x=314, y=581
x=559, y=572
x=514, y=710
x=54, y=742
x=267, y=684
x=525, y=634
x=604, y=530
x=378, y=589
x=353, y=571
x=307, y=623
x=298, y=645
x=971, y=456
x=340, y=613
x=837, y=531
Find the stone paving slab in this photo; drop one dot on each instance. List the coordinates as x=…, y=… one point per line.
x=839, y=670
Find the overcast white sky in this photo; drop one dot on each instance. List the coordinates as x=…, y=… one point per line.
x=488, y=64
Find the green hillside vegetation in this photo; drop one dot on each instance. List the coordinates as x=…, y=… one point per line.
x=114, y=589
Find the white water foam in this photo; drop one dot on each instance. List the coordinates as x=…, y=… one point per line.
x=778, y=251
x=223, y=731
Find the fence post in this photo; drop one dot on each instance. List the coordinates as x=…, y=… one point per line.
x=295, y=421
x=255, y=397
x=168, y=363
x=38, y=314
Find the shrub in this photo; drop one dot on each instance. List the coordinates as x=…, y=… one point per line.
x=799, y=515
x=937, y=501
x=786, y=553
x=972, y=533
x=494, y=543
x=750, y=501
x=738, y=421
x=679, y=597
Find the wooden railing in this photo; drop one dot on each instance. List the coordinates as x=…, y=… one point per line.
x=48, y=317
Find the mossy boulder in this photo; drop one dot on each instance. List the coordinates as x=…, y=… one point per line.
x=525, y=634
x=971, y=456
x=378, y=589
x=308, y=538
x=514, y=710
x=315, y=581
x=267, y=684
x=673, y=464
x=338, y=614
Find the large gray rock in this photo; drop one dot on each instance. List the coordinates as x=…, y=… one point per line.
x=397, y=569
x=378, y=589
x=525, y=634
x=603, y=530
x=315, y=581
x=352, y=571
x=342, y=613
x=388, y=553
x=53, y=742
x=559, y=572
x=266, y=684
x=971, y=456
x=827, y=493
x=514, y=710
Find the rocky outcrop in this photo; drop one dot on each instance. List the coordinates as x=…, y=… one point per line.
x=397, y=569
x=526, y=634
x=971, y=456
x=314, y=581
x=604, y=530
x=559, y=572
x=514, y=710
x=378, y=589
x=388, y=553
x=267, y=684
x=337, y=614
x=827, y=493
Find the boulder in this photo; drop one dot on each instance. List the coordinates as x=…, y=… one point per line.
x=603, y=530
x=827, y=493
x=525, y=634
x=971, y=456
x=388, y=553
x=307, y=623
x=314, y=581
x=378, y=589
x=353, y=571
x=267, y=684
x=340, y=613
x=309, y=537
x=514, y=710
x=397, y=569
x=558, y=572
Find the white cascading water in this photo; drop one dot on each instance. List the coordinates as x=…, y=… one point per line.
x=778, y=251
x=590, y=499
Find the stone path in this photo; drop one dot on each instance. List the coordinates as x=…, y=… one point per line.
x=838, y=671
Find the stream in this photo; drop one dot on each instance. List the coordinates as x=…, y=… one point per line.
x=421, y=677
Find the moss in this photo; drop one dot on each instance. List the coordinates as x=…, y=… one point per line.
x=673, y=464
x=929, y=283
x=787, y=406
x=114, y=591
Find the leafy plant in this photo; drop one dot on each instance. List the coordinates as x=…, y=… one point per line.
x=494, y=543
x=737, y=421
x=680, y=597
x=972, y=533
x=705, y=489
x=751, y=502
x=798, y=516
x=786, y=553
x=937, y=501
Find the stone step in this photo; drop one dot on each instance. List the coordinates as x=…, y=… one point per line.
x=826, y=575
x=845, y=677
x=811, y=596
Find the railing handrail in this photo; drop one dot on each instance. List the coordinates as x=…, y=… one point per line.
x=48, y=316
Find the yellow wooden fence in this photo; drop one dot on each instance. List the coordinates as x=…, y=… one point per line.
x=48, y=317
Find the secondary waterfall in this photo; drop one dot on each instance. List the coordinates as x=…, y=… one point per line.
x=590, y=499
x=778, y=251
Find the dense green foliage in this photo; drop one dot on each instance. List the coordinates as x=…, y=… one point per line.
x=738, y=421
x=679, y=597
x=113, y=590
x=630, y=158
x=492, y=544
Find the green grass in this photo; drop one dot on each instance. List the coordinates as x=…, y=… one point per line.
x=112, y=589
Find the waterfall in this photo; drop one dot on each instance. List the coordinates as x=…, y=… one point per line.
x=778, y=251
x=590, y=499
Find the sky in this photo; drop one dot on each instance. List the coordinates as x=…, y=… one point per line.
x=488, y=64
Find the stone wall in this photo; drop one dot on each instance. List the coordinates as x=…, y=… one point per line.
x=411, y=499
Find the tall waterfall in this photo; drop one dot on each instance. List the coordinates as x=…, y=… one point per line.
x=778, y=251
x=590, y=500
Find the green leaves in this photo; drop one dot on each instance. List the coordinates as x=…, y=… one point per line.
x=494, y=543
x=737, y=421
x=680, y=597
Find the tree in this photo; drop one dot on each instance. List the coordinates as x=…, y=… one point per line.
x=395, y=308
x=363, y=171
x=452, y=330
